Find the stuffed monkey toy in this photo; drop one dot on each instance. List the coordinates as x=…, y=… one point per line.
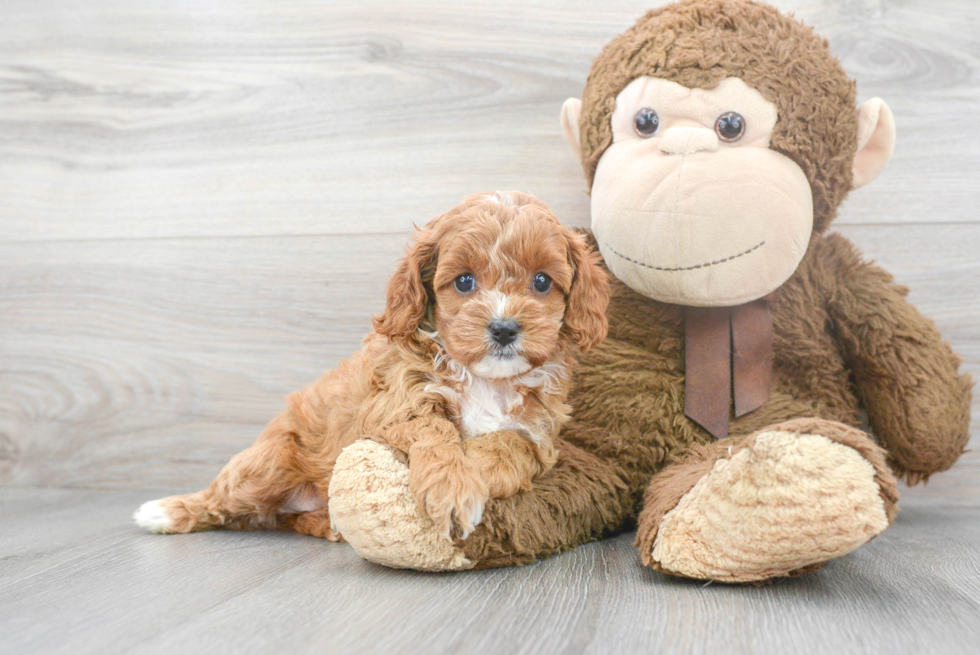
x=762, y=385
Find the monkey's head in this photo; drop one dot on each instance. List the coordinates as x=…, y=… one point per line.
x=717, y=135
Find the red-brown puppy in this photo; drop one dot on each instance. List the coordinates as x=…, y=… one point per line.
x=466, y=372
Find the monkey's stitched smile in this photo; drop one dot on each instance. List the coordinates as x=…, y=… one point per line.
x=686, y=268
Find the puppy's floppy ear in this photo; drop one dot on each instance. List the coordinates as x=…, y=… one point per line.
x=585, y=309
x=408, y=297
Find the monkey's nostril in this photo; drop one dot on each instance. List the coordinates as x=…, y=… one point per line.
x=504, y=332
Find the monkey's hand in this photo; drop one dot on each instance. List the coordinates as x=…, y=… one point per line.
x=906, y=376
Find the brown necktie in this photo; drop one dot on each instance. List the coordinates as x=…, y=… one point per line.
x=722, y=345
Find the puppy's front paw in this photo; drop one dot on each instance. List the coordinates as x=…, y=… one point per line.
x=450, y=490
x=506, y=461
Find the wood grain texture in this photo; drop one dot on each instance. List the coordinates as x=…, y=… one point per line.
x=150, y=362
x=248, y=117
x=76, y=578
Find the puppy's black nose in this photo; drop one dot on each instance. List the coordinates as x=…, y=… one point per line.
x=504, y=332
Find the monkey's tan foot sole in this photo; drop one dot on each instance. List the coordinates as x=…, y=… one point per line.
x=785, y=502
x=372, y=507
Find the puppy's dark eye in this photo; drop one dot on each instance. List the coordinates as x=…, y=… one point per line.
x=542, y=283
x=730, y=126
x=646, y=122
x=464, y=283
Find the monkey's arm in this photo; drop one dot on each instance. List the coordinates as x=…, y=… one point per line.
x=906, y=376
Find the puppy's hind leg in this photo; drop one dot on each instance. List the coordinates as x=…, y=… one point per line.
x=316, y=524
x=305, y=511
x=246, y=494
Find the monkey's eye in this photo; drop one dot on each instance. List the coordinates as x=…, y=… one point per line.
x=542, y=283
x=730, y=126
x=464, y=283
x=647, y=122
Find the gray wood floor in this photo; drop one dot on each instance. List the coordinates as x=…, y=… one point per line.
x=76, y=578
x=200, y=204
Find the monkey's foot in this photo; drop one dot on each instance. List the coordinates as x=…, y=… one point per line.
x=372, y=507
x=779, y=502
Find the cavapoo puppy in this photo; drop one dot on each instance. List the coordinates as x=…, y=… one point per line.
x=466, y=372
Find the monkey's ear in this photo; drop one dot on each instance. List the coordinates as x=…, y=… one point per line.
x=876, y=141
x=570, y=112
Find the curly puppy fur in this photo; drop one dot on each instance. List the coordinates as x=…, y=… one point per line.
x=476, y=417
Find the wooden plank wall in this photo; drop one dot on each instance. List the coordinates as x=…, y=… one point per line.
x=200, y=203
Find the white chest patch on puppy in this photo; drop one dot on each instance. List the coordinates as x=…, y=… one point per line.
x=490, y=405
x=487, y=407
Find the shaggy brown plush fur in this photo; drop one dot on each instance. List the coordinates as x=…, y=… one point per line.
x=846, y=342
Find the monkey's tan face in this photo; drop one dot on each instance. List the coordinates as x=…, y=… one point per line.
x=689, y=204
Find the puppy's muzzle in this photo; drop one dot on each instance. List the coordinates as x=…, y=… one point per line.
x=504, y=332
